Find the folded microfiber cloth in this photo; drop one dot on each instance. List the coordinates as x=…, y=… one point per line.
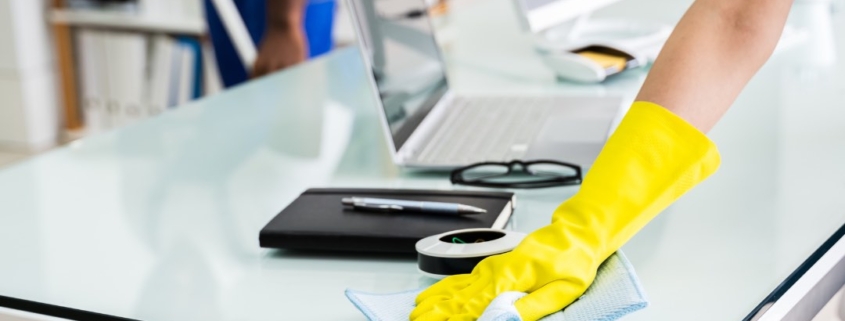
x=615, y=292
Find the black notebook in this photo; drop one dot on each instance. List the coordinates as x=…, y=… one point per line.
x=317, y=220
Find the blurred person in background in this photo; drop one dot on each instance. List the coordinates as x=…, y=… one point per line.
x=286, y=32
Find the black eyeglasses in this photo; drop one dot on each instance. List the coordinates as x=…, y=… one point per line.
x=518, y=174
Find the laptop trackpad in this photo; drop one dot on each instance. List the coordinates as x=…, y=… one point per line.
x=574, y=140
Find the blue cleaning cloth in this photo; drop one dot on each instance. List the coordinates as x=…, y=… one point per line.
x=615, y=293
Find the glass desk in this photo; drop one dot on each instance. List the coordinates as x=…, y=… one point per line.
x=160, y=220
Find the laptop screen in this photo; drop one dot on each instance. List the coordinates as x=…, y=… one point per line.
x=399, y=42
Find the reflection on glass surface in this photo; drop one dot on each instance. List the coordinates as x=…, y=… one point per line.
x=405, y=60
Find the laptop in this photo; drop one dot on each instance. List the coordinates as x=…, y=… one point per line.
x=429, y=126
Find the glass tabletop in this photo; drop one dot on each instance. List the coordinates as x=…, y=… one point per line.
x=160, y=220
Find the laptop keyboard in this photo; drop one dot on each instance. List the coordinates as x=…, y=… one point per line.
x=487, y=129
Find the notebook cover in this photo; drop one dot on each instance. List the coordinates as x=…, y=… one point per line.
x=317, y=220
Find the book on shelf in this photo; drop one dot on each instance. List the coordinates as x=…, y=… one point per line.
x=92, y=84
x=158, y=82
x=125, y=65
x=129, y=76
x=186, y=73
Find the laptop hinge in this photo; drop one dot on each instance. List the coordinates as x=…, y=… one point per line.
x=427, y=128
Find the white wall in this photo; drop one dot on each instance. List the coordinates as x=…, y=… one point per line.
x=29, y=110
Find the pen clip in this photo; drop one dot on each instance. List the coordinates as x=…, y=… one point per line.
x=385, y=207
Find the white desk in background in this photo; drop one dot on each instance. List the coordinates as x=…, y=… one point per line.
x=160, y=220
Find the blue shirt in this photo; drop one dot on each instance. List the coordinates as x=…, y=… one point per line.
x=319, y=18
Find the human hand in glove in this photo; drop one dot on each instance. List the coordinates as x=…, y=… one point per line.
x=653, y=158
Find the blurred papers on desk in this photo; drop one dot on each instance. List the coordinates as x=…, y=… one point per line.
x=128, y=76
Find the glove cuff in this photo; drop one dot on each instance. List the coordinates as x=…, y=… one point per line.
x=653, y=158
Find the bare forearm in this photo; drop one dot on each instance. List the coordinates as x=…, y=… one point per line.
x=715, y=50
x=284, y=14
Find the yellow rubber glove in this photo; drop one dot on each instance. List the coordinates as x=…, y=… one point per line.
x=653, y=158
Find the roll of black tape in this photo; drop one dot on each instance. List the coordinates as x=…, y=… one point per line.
x=458, y=252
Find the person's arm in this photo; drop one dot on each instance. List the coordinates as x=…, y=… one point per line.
x=714, y=51
x=657, y=154
x=284, y=42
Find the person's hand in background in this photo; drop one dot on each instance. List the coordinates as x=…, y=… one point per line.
x=284, y=43
x=280, y=48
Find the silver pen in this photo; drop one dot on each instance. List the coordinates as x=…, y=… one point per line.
x=383, y=204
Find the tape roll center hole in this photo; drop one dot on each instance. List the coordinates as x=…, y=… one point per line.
x=472, y=237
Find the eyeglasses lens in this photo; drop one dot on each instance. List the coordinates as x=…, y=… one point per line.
x=484, y=172
x=549, y=170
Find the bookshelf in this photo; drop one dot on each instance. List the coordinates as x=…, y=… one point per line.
x=100, y=51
